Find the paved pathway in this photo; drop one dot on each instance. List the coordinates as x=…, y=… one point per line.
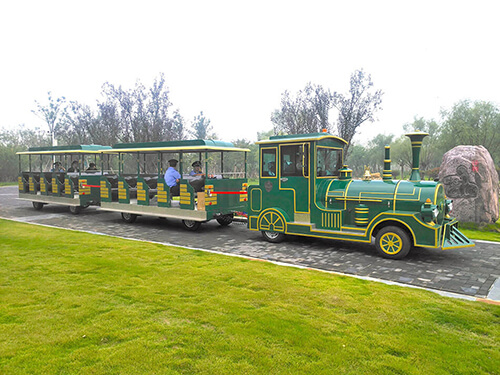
x=470, y=271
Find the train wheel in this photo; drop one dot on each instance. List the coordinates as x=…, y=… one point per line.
x=393, y=243
x=191, y=225
x=271, y=222
x=225, y=220
x=274, y=237
x=128, y=218
x=75, y=210
x=37, y=206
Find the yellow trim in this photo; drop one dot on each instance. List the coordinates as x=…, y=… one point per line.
x=305, y=139
x=316, y=159
x=59, y=152
x=308, y=178
x=275, y=161
x=184, y=149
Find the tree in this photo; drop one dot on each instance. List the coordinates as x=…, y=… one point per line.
x=307, y=112
x=201, y=128
x=472, y=123
x=54, y=114
x=357, y=107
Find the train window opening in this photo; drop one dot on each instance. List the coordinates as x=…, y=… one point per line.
x=329, y=162
x=233, y=165
x=268, y=159
x=295, y=160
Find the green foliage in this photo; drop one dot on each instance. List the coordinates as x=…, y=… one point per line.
x=201, y=128
x=472, y=123
x=79, y=303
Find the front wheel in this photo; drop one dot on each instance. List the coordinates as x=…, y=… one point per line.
x=128, y=218
x=393, y=243
x=37, y=206
x=191, y=225
x=273, y=237
x=75, y=210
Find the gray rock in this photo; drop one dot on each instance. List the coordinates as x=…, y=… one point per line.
x=470, y=179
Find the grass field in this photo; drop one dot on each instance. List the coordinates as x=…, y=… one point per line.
x=488, y=232
x=80, y=303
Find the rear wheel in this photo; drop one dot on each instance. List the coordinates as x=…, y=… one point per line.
x=274, y=237
x=393, y=243
x=225, y=220
x=75, y=210
x=128, y=218
x=37, y=206
x=191, y=225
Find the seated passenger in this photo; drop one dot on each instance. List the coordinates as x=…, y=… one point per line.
x=272, y=168
x=172, y=178
x=74, y=167
x=57, y=167
x=92, y=167
x=198, y=180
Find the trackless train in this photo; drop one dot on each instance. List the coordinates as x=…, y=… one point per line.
x=303, y=189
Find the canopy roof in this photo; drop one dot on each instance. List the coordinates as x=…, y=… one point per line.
x=195, y=145
x=70, y=149
x=301, y=138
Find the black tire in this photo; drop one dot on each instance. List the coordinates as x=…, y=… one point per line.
x=393, y=243
x=191, y=225
x=225, y=220
x=75, y=210
x=129, y=218
x=37, y=205
x=273, y=237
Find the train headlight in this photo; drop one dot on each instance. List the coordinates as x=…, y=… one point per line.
x=448, y=207
x=435, y=212
x=429, y=211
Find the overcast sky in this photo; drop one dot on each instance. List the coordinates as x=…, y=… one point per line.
x=233, y=59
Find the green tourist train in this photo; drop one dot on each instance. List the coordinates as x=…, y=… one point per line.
x=303, y=189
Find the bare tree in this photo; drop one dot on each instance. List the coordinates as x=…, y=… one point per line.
x=358, y=106
x=54, y=115
x=307, y=112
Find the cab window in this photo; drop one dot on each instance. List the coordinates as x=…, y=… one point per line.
x=268, y=166
x=329, y=162
x=294, y=160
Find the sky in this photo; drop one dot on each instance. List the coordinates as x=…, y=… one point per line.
x=233, y=59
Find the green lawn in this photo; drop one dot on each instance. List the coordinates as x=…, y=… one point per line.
x=7, y=183
x=80, y=303
x=488, y=232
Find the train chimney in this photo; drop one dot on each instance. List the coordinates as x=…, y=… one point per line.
x=416, y=144
x=387, y=174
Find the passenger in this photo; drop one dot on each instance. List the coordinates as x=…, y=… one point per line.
x=57, y=167
x=198, y=177
x=196, y=169
x=172, y=178
x=91, y=168
x=74, y=167
x=272, y=168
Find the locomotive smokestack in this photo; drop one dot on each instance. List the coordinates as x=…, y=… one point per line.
x=416, y=144
x=387, y=174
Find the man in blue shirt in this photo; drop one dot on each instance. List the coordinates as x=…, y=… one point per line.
x=172, y=178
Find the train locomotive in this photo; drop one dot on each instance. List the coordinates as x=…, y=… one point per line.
x=305, y=189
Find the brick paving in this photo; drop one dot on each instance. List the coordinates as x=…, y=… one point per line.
x=470, y=271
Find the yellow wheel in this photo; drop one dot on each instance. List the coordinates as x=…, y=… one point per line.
x=272, y=221
x=393, y=242
x=272, y=226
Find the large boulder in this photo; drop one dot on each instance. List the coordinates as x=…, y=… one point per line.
x=470, y=179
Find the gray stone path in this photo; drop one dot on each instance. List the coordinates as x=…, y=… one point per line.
x=470, y=271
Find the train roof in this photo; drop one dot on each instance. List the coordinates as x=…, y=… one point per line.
x=192, y=145
x=301, y=138
x=69, y=149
